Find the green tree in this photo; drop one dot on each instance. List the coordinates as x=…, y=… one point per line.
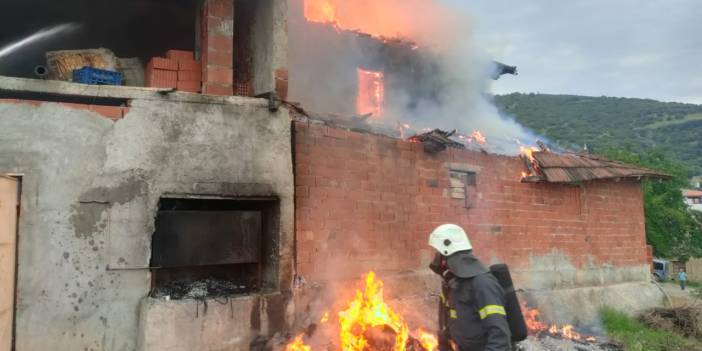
x=671, y=226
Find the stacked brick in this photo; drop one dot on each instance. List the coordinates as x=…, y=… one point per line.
x=178, y=69
x=217, y=28
x=375, y=209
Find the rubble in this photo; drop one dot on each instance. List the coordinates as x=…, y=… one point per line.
x=549, y=343
x=200, y=289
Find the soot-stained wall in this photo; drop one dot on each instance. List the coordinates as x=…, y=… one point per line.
x=90, y=191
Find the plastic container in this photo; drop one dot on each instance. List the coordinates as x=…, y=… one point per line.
x=90, y=75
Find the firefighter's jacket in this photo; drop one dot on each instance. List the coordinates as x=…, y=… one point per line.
x=475, y=303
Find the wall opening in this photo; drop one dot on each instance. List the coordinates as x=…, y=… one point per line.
x=214, y=247
x=464, y=186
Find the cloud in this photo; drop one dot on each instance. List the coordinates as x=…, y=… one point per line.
x=630, y=48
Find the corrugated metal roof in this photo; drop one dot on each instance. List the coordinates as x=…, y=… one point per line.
x=571, y=168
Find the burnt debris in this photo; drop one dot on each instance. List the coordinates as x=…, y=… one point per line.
x=436, y=141
x=201, y=289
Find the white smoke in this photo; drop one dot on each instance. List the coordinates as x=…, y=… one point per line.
x=443, y=35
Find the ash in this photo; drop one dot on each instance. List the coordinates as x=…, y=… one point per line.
x=200, y=289
x=548, y=343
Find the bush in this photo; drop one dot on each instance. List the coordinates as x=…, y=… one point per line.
x=635, y=336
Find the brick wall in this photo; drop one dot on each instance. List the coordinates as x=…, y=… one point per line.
x=217, y=51
x=369, y=202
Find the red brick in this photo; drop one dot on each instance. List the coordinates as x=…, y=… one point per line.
x=112, y=112
x=180, y=55
x=218, y=42
x=20, y=101
x=159, y=78
x=189, y=76
x=225, y=59
x=243, y=89
x=162, y=63
x=189, y=65
x=217, y=74
x=192, y=87
x=220, y=8
x=217, y=89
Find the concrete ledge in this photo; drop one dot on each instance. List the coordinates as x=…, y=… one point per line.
x=56, y=87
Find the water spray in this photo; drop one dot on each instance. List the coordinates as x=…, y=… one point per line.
x=38, y=36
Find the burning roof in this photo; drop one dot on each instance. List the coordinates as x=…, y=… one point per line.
x=571, y=168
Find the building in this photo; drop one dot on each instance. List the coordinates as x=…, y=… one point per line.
x=693, y=198
x=117, y=188
x=696, y=182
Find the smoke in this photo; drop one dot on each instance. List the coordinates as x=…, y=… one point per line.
x=442, y=83
x=41, y=35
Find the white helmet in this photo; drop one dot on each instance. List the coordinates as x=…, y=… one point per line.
x=449, y=238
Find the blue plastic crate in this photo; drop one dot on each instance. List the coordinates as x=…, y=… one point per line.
x=90, y=75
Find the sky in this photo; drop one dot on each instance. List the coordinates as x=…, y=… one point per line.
x=625, y=48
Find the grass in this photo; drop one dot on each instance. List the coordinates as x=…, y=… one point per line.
x=688, y=284
x=637, y=337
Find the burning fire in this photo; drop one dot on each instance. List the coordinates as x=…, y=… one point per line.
x=537, y=327
x=479, y=137
x=371, y=93
x=322, y=11
x=383, y=19
x=528, y=153
x=298, y=344
x=368, y=313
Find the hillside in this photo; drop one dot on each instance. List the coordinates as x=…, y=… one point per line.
x=602, y=122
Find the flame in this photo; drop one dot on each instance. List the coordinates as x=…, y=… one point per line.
x=536, y=327
x=428, y=340
x=298, y=344
x=368, y=312
x=528, y=152
x=382, y=19
x=479, y=137
x=322, y=11
x=371, y=93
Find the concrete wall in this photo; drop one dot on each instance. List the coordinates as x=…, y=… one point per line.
x=90, y=188
x=269, y=40
x=392, y=194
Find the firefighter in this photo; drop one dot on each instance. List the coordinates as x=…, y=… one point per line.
x=472, y=309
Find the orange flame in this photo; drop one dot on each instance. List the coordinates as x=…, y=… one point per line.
x=369, y=310
x=298, y=344
x=479, y=137
x=379, y=18
x=528, y=152
x=428, y=340
x=366, y=311
x=371, y=93
x=322, y=11
x=535, y=326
